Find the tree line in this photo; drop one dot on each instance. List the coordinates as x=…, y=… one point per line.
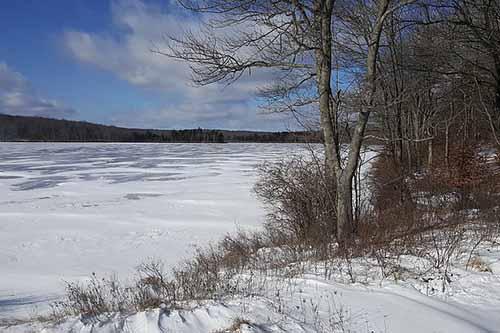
x=20, y=128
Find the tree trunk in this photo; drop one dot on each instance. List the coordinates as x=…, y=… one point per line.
x=447, y=145
x=344, y=178
x=345, y=225
x=323, y=13
x=429, y=154
x=496, y=61
x=344, y=174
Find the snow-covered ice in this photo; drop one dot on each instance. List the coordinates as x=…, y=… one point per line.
x=67, y=210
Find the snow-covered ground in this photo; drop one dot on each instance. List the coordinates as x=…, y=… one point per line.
x=71, y=209
x=67, y=210
x=310, y=303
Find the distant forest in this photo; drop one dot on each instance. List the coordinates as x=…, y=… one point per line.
x=20, y=128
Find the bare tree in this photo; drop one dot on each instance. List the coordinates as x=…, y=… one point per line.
x=297, y=41
x=364, y=21
x=478, y=25
x=470, y=31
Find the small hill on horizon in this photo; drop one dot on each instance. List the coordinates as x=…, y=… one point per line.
x=39, y=129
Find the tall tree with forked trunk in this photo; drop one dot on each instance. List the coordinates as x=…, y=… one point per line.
x=300, y=42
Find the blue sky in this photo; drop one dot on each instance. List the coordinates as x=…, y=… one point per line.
x=91, y=60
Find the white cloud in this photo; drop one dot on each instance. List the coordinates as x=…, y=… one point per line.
x=17, y=97
x=192, y=115
x=126, y=52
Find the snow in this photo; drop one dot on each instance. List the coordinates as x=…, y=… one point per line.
x=72, y=209
x=68, y=210
x=310, y=303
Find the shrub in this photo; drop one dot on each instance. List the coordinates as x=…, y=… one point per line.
x=301, y=201
x=433, y=213
x=469, y=176
x=479, y=265
x=94, y=299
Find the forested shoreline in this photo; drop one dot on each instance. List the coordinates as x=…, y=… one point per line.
x=38, y=129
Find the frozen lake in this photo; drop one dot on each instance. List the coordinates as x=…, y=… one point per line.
x=67, y=210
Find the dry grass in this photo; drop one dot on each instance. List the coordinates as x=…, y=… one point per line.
x=477, y=264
